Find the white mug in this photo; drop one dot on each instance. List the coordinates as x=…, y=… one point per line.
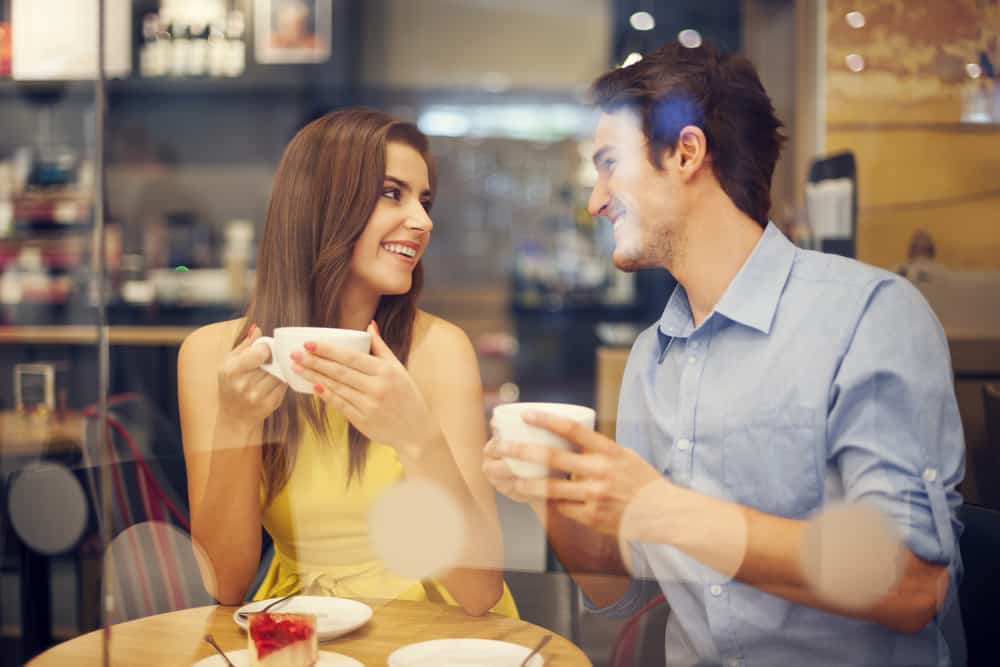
x=511, y=428
x=289, y=339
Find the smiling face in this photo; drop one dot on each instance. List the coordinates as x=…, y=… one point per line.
x=399, y=228
x=644, y=204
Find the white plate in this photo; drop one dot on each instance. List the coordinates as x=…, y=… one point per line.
x=334, y=616
x=463, y=653
x=242, y=659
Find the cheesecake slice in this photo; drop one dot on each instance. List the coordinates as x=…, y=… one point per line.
x=282, y=640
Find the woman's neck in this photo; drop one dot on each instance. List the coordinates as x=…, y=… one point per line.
x=356, y=307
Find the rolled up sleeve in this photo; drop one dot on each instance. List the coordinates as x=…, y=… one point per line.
x=642, y=589
x=894, y=430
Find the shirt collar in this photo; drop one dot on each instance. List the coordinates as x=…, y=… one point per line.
x=753, y=295
x=751, y=298
x=676, y=320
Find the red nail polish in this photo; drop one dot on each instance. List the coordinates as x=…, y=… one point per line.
x=296, y=356
x=310, y=346
x=250, y=331
x=375, y=324
x=319, y=388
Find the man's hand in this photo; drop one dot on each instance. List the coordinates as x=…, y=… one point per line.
x=606, y=480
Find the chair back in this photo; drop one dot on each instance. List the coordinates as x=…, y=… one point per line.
x=979, y=591
x=150, y=562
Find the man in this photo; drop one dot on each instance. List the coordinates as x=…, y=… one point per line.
x=777, y=382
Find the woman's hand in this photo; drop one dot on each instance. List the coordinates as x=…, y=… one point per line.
x=248, y=394
x=374, y=392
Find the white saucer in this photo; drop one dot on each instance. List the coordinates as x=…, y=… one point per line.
x=334, y=616
x=463, y=653
x=242, y=659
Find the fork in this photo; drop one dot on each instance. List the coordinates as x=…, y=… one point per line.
x=246, y=614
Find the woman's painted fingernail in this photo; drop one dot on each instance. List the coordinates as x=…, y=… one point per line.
x=375, y=325
x=250, y=331
x=296, y=356
x=310, y=346
x=319, y=388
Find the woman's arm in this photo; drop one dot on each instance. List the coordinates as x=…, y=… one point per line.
x=431, y=413
x=223, y=401
x=444, y=365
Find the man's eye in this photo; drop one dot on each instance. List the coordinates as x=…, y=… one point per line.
x=609, y=164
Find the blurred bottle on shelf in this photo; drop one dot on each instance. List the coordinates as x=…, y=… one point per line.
x=236, y=52
x=5, y=49
x=236, y=256
x=193, y=40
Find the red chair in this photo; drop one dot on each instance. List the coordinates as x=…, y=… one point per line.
x=645, y=623
x=149, y=563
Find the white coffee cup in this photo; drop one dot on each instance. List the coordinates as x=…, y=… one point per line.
x=289, y=339
x=510, y=427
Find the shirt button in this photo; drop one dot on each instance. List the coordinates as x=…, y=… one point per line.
x=692, y=360
x=930, y=474
x=683, y=444
x=715, y=590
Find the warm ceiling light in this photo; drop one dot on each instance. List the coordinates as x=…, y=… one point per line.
x=632, y=59
x=855, y=62
x=855, y=19
x=689, y=38
x=642, y=21
x=973, y=70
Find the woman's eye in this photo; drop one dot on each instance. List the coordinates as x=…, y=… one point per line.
x=426, y=203
x=609, y=164
x=391, y=193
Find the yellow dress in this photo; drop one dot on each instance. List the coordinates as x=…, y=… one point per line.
x=320, y=527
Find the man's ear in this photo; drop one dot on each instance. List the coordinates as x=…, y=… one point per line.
x=692, y=150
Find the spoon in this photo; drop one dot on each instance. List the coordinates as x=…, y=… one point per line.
x=211, y=640
x=538, y=647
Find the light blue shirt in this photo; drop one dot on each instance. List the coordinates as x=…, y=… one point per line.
x=816, y=378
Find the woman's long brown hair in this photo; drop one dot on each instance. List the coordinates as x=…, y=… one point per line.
x=325, y=190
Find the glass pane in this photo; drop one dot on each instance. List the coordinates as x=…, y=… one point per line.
x=235, y=205
x=51, y=267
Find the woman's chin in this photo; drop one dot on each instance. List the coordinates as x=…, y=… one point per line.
x=394, y=288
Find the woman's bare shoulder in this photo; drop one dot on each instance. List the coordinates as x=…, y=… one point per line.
x=436, y=337
x=211, y=341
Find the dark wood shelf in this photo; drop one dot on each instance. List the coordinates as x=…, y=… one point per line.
x=171, y=86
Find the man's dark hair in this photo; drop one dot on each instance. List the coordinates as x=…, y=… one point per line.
x=676, y=86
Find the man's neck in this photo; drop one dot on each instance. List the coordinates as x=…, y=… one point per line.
x=718, y=240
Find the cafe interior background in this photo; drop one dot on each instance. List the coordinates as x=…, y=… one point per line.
x=891, y=107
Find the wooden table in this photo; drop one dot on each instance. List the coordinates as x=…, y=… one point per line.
x=176, y=638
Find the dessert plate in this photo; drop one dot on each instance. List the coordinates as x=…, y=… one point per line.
x=334, y=616
x=242, y=659
x=455, y=652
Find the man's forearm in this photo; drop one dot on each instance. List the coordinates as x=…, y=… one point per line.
x=766, y=551
x=594, y=560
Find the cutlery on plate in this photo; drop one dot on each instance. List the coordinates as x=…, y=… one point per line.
x=211, y=641
x=246, y=614
x=538, y=647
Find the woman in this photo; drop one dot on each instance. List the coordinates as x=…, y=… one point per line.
x=347, y=225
